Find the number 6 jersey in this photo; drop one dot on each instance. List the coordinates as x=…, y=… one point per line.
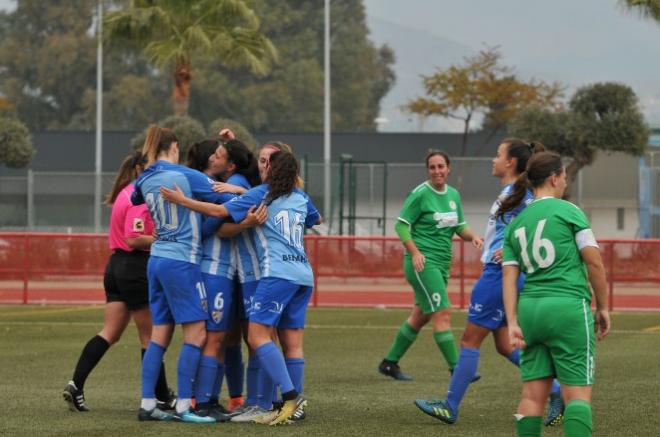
x=544, y=241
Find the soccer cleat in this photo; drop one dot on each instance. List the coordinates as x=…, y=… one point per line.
x=299, y=414
x=390, y=368
x=168, y=404
x=475, y=378
x=287, y=410
x=190, y=416
x=555, y=410
x=238, y=411
x=266, y=418
x=234, y=403
x=74, y=397
x=154, y=415
x=250, y=414
x=208, y=410
x=437, y=409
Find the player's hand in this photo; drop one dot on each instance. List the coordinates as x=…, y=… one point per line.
x=223, y=187
x=418, y=261
x=174, y=196
x=226, y=134
x=497, y=256
x=516, y=336
x=478, y=242
x=602, y=323
x=256, y=216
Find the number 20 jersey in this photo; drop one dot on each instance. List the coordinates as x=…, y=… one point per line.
x=550, y=258
x=279, y=241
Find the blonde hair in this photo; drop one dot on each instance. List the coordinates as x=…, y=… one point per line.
x=284, y=147
x=158, y=140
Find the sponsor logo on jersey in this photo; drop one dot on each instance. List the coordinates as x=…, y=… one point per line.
x=138, y=225
x=445, y=219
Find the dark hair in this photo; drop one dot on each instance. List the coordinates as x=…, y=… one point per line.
x=434, y=152
x=283, y=175
x=158, y=140
x=199, y=153
x=127, y=172
x=244, y=160
x=522, y=151
x=540, y=166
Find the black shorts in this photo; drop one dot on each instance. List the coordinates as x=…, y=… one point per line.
x=125, y=278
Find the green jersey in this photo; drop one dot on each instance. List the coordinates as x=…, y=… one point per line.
x=545, y=242
x=434, y=217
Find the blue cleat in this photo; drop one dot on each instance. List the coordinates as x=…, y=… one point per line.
x=437, y=409
x=390, y=368
x=189, y=416
x=555, y=410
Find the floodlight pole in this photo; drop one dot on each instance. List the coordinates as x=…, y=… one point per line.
x=99, y=118
x=326, y=115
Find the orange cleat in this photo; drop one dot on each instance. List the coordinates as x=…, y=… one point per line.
x=234, y=403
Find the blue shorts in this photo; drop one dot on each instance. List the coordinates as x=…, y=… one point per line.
x=220, y=292
x=247, y=290
x=281, y=303
x=486, y=304
x=176, y=292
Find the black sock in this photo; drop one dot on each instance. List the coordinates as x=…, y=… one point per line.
x=290, y=395
x=89, y=358
x=162, y=390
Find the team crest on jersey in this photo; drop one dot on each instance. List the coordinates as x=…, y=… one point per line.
x=452, y=204
x=216, y=316
x=138, y=225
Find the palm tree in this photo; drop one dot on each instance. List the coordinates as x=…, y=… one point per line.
x=646, y=8
x=173, y=32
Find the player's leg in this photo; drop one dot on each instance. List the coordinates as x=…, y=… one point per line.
x=530, y=410
x=234, y=368
x=578, y=420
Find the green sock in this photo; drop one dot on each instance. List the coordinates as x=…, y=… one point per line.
x=447, y=345
x=577, y=419
x=529, y=426
x=404, y=337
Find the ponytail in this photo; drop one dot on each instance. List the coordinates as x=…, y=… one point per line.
x=127, y=173
x=158, y=140
x=522, y=151
x=283, y=176
x=517, y=195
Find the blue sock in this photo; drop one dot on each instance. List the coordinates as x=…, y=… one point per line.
x=151, y=363
x=252, y=381
x=272, y=361
x=276, y=395
x=514, y=357
x=234, y=370
x=265, y=390
x=296, y=369
x=555, y=386
x=206, y=376
x=217, y=385
x=187, y=369
x=468, y=361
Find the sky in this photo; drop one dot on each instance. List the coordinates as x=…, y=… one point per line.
x=573, y=42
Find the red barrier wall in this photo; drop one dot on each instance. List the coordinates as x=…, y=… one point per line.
x=349, y=271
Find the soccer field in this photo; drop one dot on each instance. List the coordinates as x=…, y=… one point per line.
x=40, y=345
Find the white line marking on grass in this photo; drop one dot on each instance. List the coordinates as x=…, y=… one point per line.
x=313, y=326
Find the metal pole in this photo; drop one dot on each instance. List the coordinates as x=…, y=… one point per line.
x=99, y=118
x=326, y=113
x=579, y=188
x=30, y=199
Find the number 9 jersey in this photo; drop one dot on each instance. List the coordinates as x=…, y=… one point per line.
x=545, y=242
x=279, y=241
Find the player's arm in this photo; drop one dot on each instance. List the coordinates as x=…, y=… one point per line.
x=177, y=196
x=596, y=272
x=403, y=229
x=224, y=187
x=467, y=234
x=254, y=218
x=136, y=222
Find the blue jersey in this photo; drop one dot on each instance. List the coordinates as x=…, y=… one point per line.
x=247, y=260
x=178, y=228
x=494, y=237
x=280, y=246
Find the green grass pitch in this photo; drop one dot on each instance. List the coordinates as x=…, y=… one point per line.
x=347, y=397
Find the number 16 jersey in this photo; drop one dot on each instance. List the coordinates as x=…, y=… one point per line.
x=544, y=241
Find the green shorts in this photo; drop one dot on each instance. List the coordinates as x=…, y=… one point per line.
x=430, y=286
x=559, y=332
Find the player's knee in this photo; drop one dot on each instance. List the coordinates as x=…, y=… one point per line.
x=111, y=336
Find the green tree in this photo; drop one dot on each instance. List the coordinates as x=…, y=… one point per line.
x=187, y=130
x=600, y=117
x=174, y=33
x=482, y=85
x=16, y=149
x=646, y=8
